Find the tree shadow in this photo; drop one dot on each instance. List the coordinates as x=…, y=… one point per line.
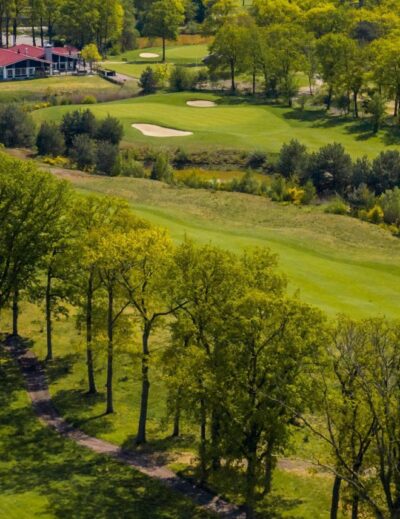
x=72, y=481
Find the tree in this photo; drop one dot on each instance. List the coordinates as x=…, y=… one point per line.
x=31, y=204
x=331, y=51
x=292, y=159
x=376, y=106
x=76, y=123
x=50, y=140
x=90, y=53
x=330, y=168
x=110, y=129
x=229, y=49
x=385, y=171
x=106, y=157
x=164, y=19
x=145, y=283
x=84, y=151
x=267, y=359
x=16, y=126
x=94, y=216
x=148, y=81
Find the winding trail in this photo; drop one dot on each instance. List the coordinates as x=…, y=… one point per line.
x=38, y=392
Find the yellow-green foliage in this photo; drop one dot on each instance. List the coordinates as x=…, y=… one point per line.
x=375, y=215
x=56, y=161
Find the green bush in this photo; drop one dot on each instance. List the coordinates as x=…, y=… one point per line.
x=181, y=79
x=106, y=158
x=84, y=151
x=89, y=100
x=129, y=166
x=110, y=129
x=50, y=140
x=162, y=169
x=337, y=206
x=148, y=81
x=76, y=123
x=16, y=127
x=390, y=204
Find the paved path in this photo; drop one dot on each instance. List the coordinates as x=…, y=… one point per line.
x=37, y=389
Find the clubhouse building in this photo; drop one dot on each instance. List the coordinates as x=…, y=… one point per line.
x=27, y=61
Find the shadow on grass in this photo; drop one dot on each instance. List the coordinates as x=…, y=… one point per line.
x=74, y=482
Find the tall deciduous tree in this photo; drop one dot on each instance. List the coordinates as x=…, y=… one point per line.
x=163, y=20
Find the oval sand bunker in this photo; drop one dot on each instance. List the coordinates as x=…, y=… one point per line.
x=152, y=130
x=201, y=103
x=149, y=55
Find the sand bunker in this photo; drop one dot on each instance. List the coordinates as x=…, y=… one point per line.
x=201, y=103
x=152, y=130
x=149, y=55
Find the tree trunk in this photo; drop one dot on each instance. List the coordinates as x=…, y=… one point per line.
x=177, y=417
x=355, y=99
x=203, y=439
x=163, y=50
x=254, y=81
x=270, y=463
x=335, y=497
x=33, y=33
x=15, y=29
x=41, y=32
x=7, y=31
x=233, y=84
x=215, y=434
x=250, y=485
x=144, y=402
x=89, y=327
x=329, y=100
x=110, y=330
x=49, y=335
x=15, y=312
x=354, y=506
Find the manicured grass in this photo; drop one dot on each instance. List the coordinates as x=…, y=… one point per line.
x=338, y=263
x=233, y=123
x=58, y=86
x=45, y=476
x=187, y=55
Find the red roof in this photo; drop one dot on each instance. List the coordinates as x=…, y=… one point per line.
x=21, y=52
x=66, y=51
x=28, y=50
x=8, y=57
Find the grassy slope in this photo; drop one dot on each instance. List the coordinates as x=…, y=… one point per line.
x=43, y=475
x=63, y=85
x=338, y=263
x=234, y=123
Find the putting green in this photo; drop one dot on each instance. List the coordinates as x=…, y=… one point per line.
x=338, y=263
x=233, y=123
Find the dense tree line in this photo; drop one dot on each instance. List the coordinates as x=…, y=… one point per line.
x=244, y=362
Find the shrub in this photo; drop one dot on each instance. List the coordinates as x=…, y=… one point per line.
x=390, y=204
x=330, y=168
x=256, y=160
x=50, y=140
x=106, y=158
x=375, y=215
x=362, y=171
x=16, y=127
x=181, y=79
x=162, y=169
x=89, y=100
x=292, y=158
x=110, y=129
x=361, y=197
x=385, y=171
x=247, y=184
x=337, y=206
x=279, y=189
x=148, y=81
x=309, y=193
x=84, y=151
x=76, y=123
